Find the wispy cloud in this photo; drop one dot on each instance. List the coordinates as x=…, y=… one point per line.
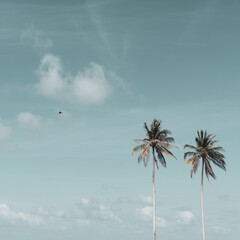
x=147, y=199
x=97, y=3
x=41, y=218
x=102, y=33
x=37, y=38
x=13, y=216
x=92, y=210
x=92, y=86
x=161, y=222
x=28, y=119
x=200, y=16
x=218, y=229
x=5, y=132
x=146, y=214
x=184, y=217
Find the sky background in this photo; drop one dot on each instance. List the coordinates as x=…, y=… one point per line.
x=110, y=66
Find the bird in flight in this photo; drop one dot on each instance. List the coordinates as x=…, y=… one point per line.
x=59, y=112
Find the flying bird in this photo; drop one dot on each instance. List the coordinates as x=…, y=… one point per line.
x=59, y=112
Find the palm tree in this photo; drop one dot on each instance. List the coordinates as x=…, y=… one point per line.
x=158, y=141
x=207, y=152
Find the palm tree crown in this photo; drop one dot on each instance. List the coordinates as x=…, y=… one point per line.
x=205, y=149
x=158, y=140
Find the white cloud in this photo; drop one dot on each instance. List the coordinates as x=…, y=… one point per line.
x=89, y=211
x=90, y=86
x=219, y=229
x=184, y=217
x=161, y=222
x=12, y=216
x=28, y=119
x=92, y=210
x=40, y=218
x=37, y=38
x=85, y=201
x=147, y=199
x=146, y=214
x=51, y=84
x=5, y=132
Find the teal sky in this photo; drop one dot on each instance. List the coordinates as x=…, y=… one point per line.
x=110, y=66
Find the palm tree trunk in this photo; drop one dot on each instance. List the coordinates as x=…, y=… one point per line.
x=203, y=227
x=154, y=199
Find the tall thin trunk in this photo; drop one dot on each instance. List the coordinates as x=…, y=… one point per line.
x=154, y=198
x=203, y=226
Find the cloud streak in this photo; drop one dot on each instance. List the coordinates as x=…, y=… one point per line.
x=102, y=33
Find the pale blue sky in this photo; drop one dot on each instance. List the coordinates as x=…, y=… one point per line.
x=110, y=66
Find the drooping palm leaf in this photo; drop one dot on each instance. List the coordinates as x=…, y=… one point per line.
x=208, y=170
x=160, y=156
x=190, y=146
x=195, y=163
x=189, y=154
x=139, y=147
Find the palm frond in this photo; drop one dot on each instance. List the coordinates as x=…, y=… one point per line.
x=215, y=154
x=149, y=133
x=212, y=143
x=143, y=155
x=218, y=149
x=146, y=140
x=195, y=164
x=167, y=151
x=209, y=140
x=190, y=146
x=155, y=160
x=146, y=151
x=169, y=139
x=161, y=157
x=163, y=134
x=166, y=132
x=166, y=144
x=192, y=159
x=157, y=139
x=204, y=150
x=208, y=170
x=189, y=154
x=219, y=162
x=155, y=128
x=139, y=147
